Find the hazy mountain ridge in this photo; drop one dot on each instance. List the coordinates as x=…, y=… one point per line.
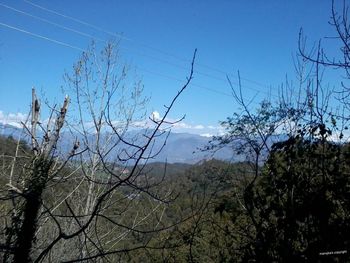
x=179, y=147
x=185, y=148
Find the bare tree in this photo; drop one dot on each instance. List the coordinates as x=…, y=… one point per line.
x=338, y=59
x=96, y=199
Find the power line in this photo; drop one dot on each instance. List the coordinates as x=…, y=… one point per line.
x=102, y=40
x=80, y=49
x=41, y=36
x=101, y=29
x=251, y=100
x=179, y=80
x=50, y=22
x=131, y=40
x=76, y=20
x=197, y=72
x=99, y=39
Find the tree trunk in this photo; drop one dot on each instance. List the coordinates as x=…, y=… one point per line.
x=32, y=205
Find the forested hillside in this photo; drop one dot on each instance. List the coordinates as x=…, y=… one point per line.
x=199, y=194
x=216, y=215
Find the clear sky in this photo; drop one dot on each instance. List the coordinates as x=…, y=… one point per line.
x=258, y=38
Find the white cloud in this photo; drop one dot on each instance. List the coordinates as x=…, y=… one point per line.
x=182, y=125
x=208, y=135
x=178, y=127
x=155, y=115
x=13, y=119
x=198, y=127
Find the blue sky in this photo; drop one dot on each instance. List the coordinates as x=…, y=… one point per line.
x=258, y=38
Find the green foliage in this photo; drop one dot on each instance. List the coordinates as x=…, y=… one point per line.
x=300, y=204
x=212, y=218
x=298, y=207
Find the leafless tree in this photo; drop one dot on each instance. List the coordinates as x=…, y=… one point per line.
x=338, y=59
x=96, y=199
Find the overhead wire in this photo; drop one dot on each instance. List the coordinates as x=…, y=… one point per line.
x=145, y=45
x=50, y=22
x=80, y=49
x=99, y=39
x=142, y=69
x=76, y=20
x=41, y=36
x=179, y=80
x=101, y=29
x=102, y=40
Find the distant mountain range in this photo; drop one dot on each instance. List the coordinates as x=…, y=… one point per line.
x=189, y=148
x=179, y=147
